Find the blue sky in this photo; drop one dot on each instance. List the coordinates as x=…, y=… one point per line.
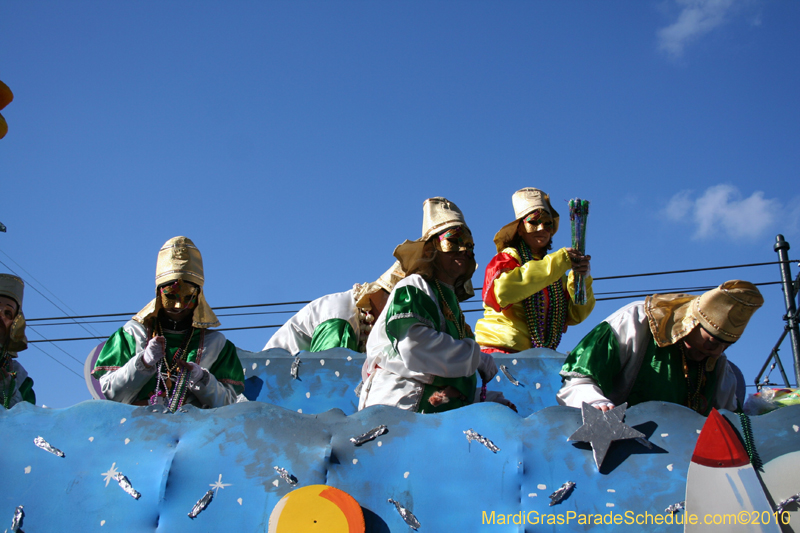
x=295, y=142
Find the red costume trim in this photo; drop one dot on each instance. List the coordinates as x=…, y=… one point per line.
x=498, y=265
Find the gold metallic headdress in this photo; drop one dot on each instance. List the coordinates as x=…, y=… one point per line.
x=524, y=201
x=724, y=312
x=180, y=259
x=386, y=282
x=438, y=214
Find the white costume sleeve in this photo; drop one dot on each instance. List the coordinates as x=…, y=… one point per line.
x=576, y=391
x=214, y=393
x=428, y=351
x=124, y=384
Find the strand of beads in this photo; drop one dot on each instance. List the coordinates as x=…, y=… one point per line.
x=8, y=392
x=578, y=215
x=460, y=324
x=175, y=400
x=545, y=311
x=749, y=444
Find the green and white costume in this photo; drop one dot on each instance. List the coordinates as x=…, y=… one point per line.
x=620, y=361
x=414, y=351
x=23, y=386
x=328, y=322
x=125, y=378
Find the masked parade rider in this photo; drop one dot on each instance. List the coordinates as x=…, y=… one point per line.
x=670, y=348
x=166, y=354
x=17, y=385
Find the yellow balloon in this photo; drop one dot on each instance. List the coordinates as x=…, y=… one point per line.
x=317, y=508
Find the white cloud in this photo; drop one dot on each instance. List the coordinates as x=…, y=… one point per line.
x=697, y=18
x=723, y=211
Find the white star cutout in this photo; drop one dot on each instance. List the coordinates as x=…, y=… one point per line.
x=111, y=473
x=219, y=485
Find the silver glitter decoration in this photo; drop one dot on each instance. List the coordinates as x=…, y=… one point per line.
x=471, y=436
x=791, y=499
x=562, y=493
x=43, y=444
x=675, y=507
x=125, y=485
x=16, y=523
x=407, y=516
x=369, y=435
x=201, y=504
x=601, y=429
x=286, y=476
x=296, y=366
x=507, y=374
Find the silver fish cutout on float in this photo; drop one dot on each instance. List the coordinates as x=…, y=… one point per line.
x=125, y=484
x=16, y=523
x=562, y=493
x=369, y=435
x=295, y=370
x=674, y=508
x=201, y=504
x=286, y=476
x=507, y=374
x=43, y=444
x=472, y=435
x=407, y=516
x=780, y=509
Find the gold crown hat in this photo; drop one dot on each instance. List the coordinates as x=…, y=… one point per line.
x=723, y=312
x=438, y=214
x=13, y=287
x=525, y=201
x=180, y=259
x=387, y=281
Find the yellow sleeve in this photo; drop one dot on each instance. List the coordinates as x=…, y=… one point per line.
x=515, y=285
x=578, y=313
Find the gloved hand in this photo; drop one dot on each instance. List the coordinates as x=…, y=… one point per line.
x=487, y=369
x=603, y=405
x=154, y=351
x=196, y=372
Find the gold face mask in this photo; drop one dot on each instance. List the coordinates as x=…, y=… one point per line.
x=458, y=239
x=179, y=295
x=538, y=220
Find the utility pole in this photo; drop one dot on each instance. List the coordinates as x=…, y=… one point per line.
x=782, y=247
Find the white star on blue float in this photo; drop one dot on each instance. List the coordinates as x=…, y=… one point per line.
x=219, y=484
x=111, y=473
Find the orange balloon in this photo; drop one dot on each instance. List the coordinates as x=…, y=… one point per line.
x=3, y=127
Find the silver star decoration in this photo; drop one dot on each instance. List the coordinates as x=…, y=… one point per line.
x=219, y=484
x=601, y=429
x=112, y=472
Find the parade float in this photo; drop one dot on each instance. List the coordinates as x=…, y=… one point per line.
x=295, y=455
x=299, y=457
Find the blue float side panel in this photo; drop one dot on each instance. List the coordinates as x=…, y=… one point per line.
x=424, y=462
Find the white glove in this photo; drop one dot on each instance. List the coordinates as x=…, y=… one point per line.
x=196, y=372
x=154, y=351
x=603, y=405
x=487, y=369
